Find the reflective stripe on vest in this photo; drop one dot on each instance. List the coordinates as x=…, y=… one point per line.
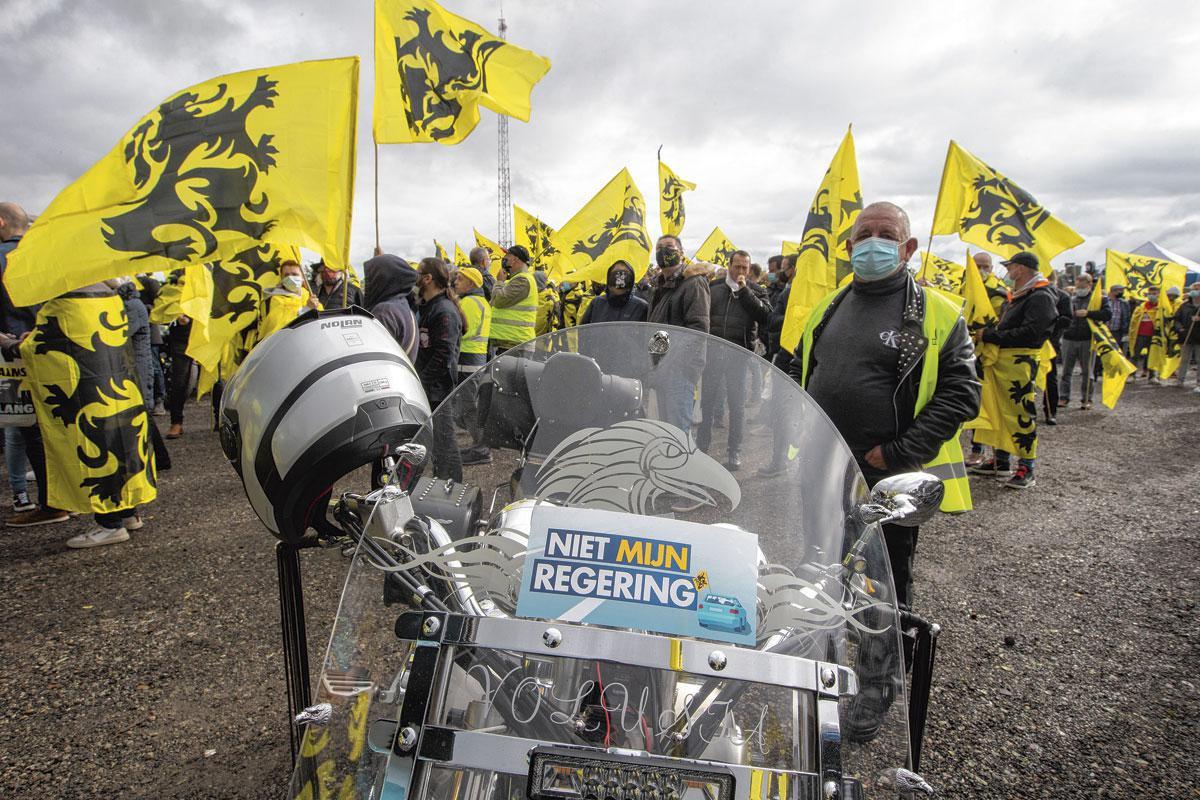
x=517, y=323
x=479, y=323
x=941, y=315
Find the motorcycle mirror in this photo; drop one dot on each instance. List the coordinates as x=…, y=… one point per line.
x=907, y=499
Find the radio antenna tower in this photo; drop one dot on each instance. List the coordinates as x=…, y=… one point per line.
x=503, y=176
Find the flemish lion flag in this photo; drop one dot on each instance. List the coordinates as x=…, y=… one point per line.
x=822, y=260
x=538, y=238
x=1115, y=367
x=941, y=273
x=440, y=252
x=460, y=258
x=988, y=210
x=494, y=250
x=610, y=228
x=238, y=285
x=262, y=155
x=94, y=423
x=1138, y=273
x=716, y=249
x=433, y=70
x=670, y=200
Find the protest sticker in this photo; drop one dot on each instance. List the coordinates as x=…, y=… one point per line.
x=642, y=573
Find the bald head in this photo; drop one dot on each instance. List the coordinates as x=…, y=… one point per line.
x=13, y=220
x=983, y=261
x=883, y=220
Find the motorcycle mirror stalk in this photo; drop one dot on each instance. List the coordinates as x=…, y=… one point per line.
x=907, y=499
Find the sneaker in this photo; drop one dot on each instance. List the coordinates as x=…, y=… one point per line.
x=473, y=457
x=867, y=712
x=1022, y=479
x=39, y=516
x=734, y=462
x=990, y=467
x=159, y=410
x=975, y=459
x=1051, y=421
x=771, y=471
x=133, y=523
x=1087, y=406
x=1196, y=390
x=22, y=503
x=1154, y=381
x=98, y=537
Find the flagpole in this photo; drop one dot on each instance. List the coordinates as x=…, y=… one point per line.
x=377, y=196
x=937, y=204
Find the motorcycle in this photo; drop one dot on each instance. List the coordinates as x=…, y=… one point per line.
x=603, y=610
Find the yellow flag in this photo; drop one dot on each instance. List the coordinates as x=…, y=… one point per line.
x=1114, y=365
x=89, y=405
x=1165, y=355
x=440, y=252
x=433, y=70
x=1137, y=273
x=790, y=248
x=670, y=199
x=537, y=237
x=716, y=249
x=610, y=228
x=822, y=260
x=238, y=285
x=494, y=250
x=460, y=258
x=941, y=273
x=266, y=154
x=988, y=210
x=978, y=311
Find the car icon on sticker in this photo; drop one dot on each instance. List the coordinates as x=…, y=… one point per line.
x=718, y=612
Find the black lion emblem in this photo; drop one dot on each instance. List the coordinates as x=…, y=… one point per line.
x=434, y=67
x=672, y=197
x=629, y=225
x=200, y=147
x=1008, y=213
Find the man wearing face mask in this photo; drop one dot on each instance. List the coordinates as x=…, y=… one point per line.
x=1027, y=324
x=618, y=303
x=334, y=286
x=681, y=299
x=736, y=307
x=286, y=301
x=892, y=365
x=514, y=304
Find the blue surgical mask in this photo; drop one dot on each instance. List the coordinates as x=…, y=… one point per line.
x=875, y=258
x=292, y=282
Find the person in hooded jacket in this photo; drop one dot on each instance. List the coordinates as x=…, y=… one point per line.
x=390, y=281
x=618, y=303
x=442, y=324
x=680, y=298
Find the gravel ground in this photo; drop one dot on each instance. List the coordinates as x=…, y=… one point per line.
x=1066, y=666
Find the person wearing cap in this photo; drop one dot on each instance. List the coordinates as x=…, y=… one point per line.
x=333, y=289
x=1027, y=324
x=514, y=303
x=472, y=357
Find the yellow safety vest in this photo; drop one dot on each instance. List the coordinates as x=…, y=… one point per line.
x=517, y=323
x=940, y=317
x=479, y=324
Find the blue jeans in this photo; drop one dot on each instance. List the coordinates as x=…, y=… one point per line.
x=15, y=460
x=678, y=401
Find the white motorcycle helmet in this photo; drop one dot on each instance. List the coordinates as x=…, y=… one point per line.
x=330, y=392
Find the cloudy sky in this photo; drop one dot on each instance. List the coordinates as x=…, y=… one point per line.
x=1091, y=105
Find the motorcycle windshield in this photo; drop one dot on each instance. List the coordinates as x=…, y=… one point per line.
x=608, y=599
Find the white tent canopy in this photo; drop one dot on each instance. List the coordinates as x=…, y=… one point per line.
x=1155, y=251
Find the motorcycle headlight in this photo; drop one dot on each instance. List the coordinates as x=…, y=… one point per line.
x=565, y=774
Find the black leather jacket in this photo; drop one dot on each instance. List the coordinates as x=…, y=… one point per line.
x=733, y=316
x=955, y=399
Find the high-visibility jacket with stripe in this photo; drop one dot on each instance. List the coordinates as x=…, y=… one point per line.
x=517, y=323
x=478, y=312
x=941, y=315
